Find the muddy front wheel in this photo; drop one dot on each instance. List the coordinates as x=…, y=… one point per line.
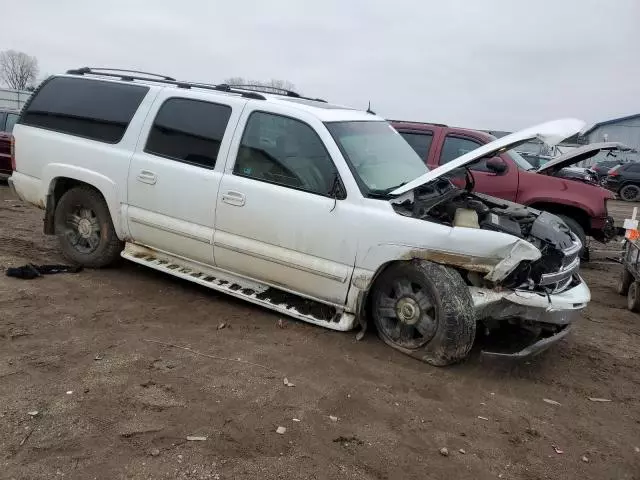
x=424, y=310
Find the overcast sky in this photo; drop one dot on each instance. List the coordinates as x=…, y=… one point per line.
x=499, y=64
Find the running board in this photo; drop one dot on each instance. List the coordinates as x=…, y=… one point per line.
x=283, y=302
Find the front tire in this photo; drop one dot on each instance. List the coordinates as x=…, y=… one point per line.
x=84, y=229
x=630, y=193
x=424, y=310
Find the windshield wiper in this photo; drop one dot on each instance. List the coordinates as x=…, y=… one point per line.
x=384, y=193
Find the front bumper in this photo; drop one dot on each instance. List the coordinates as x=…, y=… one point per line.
x=551, y=314
x=603, y=229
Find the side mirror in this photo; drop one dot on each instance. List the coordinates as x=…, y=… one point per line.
x=496, y=165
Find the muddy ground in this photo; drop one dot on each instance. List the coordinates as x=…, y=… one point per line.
x=113, y=405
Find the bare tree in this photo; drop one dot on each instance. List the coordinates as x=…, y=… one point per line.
x=17, y=69
x=273, y=83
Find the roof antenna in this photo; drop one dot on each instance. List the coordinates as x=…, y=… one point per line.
x=369, y=109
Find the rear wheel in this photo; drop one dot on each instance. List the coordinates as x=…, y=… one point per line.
x=84, y=228
x=424, y=310
x=633, y=297
x=630, y=193
x=624, y=282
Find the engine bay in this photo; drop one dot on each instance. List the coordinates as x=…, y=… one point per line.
x=442, y=202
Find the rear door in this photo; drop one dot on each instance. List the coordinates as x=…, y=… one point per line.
x=503, y=185
x=176, y=170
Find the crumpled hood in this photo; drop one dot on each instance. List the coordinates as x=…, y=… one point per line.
x=579, y=154
x=550, y=133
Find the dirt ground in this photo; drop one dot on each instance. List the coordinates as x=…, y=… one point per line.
x=113, y=405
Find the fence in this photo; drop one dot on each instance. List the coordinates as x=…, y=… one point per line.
x=13, y=99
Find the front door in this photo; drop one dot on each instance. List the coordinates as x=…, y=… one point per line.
x=175, y=174
x=281, y=215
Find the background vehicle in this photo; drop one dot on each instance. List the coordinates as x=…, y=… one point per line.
x=296, y=205
x=625, y=181
x=509, y=176
x=8, y=118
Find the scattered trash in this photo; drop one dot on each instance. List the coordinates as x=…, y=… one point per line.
x=551, y=402
x=492, y=393
x=288, y=383
x=482, y=403
x=444, y=451
x=221, y=326
x=585, y=459
x=296, y=419
x=280, y=323
x=462, y=451
x=69, y=392
x=637, y=449
x=26, y=437
x=154, y=452
x=33, y=413
x=98, y=357
x=595, y=399
x=31, y=271
x=281, y=430
x=348, y=440
x=332, y=418
x=195, y=438
x=483, y=418
x=557, y=450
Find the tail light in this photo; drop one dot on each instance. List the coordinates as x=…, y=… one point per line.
x=614, y=173
x=13, y=153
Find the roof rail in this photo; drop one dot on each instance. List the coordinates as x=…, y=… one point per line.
x=103, y=72
x=274, y=91
x=83, y=70
x=418, y=123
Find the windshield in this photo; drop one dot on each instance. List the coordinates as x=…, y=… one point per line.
x=520, y=161
x=379, y=157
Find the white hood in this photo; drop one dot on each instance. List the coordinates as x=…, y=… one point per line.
x=550, y=133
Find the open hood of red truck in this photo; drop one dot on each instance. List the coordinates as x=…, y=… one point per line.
x=550, y=133
x=579, y=154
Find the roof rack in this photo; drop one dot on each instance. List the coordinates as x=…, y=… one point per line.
x=274, y=91
x=109, y=72
x=418, y=123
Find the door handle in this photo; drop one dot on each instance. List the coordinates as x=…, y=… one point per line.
x=145, y=176
x=234, y=198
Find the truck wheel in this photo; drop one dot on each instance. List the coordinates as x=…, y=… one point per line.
x=577, y=229
x=424, y=310
x=630, y=193
x=624, y=282
x=633, y=297
x=84, y=228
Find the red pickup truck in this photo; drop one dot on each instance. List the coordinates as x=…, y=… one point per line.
x=582, y=206
x=8, y=119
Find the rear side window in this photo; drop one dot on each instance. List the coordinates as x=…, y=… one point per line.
x=92, y=109
x=633, y=167
x=189, y=131
x=420, y=142
x=455, y=147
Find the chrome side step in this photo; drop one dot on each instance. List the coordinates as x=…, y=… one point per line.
x=283, y=302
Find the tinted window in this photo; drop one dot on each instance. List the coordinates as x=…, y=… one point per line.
x=91, y=109
x=633, y=167
x=420, y=142
x=12, y=118
x=284, y=151
x=189, y=131
x=455, y=147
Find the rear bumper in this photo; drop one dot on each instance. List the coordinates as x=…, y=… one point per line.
x=551, y=314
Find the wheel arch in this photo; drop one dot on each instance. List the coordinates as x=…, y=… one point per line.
x=579, y=215
x=59, y=179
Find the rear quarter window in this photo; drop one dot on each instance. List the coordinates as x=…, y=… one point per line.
x=92, y=109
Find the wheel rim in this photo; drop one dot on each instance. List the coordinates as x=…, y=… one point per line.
x=407, y=314
x=629, y=193
x=82, y=230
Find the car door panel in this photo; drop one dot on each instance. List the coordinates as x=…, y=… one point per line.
x=175, y=175
x=283, y=234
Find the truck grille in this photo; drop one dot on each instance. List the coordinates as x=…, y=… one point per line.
x=559, y=280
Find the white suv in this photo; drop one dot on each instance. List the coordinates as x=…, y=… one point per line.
x=319, y=212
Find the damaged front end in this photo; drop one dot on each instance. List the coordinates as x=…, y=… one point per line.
x=533, y=291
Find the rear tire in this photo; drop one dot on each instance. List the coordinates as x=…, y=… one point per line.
x=630, y=193
x=624, y=282
x=84, y=229
x=424, y=310
x=633, y=297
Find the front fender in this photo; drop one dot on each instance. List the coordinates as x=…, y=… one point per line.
x=107, y=187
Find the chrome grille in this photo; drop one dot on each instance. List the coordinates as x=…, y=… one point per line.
x=561, y=279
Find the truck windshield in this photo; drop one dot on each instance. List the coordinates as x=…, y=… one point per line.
x=380, y=159
x=520, y=160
